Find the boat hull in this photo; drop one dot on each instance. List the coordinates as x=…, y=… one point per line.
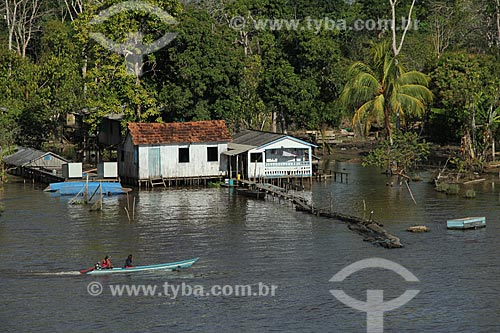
x=466, y=223
x=160, y=267
x=255, y=194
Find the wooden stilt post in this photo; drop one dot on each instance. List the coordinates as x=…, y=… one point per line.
x=100, y=196
x=133, y=210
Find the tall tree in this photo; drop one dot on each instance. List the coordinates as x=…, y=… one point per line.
x=385, y=90
x=22, y=18
x=467, y=87
x=397, y=46
x=109, y=86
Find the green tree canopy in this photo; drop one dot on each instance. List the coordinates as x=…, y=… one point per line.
x=385, y=90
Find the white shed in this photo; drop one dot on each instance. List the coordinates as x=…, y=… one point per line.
x=190, y=150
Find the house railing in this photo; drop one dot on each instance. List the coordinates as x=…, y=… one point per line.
x=287, y=164
x=294, y=169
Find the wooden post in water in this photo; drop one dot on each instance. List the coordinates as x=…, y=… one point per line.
x=331, y=201
x=100, y=196
x=237, y=166
x=128, y=215
x=86, y=192
x=133, y=210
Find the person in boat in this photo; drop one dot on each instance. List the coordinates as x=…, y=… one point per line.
x=128, y=262
x=106, y=263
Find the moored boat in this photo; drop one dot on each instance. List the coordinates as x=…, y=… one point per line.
x=171, y=266
x=467, y=223
x=256, y=194
x=73, y=188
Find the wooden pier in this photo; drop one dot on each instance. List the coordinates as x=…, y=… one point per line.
x=371, y=230
x=342, y=176
x=336, y=175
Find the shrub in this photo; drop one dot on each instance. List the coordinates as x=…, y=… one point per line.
x=452, y=189
x=442, y=187
x=470, y=194
x=417, y=178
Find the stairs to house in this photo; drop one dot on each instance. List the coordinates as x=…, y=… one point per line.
x=157, y=181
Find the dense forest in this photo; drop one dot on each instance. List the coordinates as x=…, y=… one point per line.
x=393, y=64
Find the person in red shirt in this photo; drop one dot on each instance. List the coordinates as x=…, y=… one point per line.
x=106, y=263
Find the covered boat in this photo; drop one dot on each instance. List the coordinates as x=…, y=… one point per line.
x=171, y=266
x=74, y=188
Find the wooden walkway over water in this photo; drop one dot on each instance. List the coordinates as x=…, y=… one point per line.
x=371, y=230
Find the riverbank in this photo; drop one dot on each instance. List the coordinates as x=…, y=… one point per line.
x=354, y=151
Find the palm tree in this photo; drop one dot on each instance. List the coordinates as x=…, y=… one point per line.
x=385, y=90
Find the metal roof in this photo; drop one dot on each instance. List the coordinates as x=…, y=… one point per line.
x=261, y=139
x=235, y=149
x=256, y=138
x=24, y=156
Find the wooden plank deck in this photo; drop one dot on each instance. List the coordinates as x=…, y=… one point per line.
x=371, y=230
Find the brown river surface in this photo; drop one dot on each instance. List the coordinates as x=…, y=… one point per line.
x=44, y=241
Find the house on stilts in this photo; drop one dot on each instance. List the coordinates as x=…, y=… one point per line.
x=174, y=153
x=257, y=155
x=44, y=167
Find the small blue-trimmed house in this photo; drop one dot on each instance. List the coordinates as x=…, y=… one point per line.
x=257, y=154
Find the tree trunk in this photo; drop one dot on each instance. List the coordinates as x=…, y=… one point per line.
x=493, y=153
x=497, y=7
x=387, y=124
x=395, y=47
x=138, y=69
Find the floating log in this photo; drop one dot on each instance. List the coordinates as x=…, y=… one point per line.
x=474, y=181
x=418, y=228
x=371, y=230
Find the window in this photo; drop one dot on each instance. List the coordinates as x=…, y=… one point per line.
x=183, y=155
x=256, y=157
x=212, y=154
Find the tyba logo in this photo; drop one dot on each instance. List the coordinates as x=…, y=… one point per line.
x=133, y=48
x=374, y=305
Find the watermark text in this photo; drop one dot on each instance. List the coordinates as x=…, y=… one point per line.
x=174, y=291
x=320, y=24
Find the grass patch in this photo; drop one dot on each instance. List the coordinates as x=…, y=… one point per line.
x=470, y=194
x=453, y=189
x=214, y=184
x=417, y=178
x=442, y=187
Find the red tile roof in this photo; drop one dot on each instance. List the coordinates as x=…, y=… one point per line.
x=189, y=132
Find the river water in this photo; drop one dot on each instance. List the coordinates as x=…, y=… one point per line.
x=44, y=241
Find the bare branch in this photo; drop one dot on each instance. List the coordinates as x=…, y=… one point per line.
x=397, y=48
x=74, y=8
x=22, y=17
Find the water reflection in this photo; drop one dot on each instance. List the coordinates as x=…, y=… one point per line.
x=244, y=241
